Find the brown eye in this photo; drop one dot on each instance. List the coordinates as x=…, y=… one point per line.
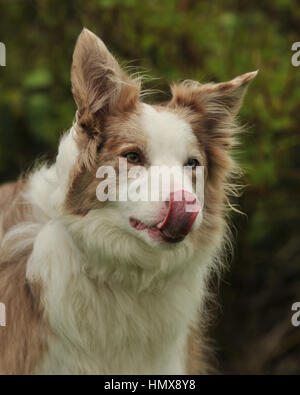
x=133, y=157
x=193, y=163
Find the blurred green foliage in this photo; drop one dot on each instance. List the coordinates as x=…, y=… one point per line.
x=174, y=40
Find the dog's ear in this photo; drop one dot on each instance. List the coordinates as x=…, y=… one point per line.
x=215, y=103
x=99, y=85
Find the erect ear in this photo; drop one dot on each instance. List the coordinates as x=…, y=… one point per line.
x=99, y=85
x=215, y=102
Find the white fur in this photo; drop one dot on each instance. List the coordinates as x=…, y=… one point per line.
x=172, y=140
x=115, y=304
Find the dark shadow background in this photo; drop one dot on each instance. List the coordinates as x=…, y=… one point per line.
x=173, y=40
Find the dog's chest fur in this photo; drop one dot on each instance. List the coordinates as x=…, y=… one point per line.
x=97, y=327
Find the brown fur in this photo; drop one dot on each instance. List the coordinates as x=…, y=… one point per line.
x=7, y=193
x=12, y=207
x=199, y=355
x=81, y=196
x=21, y=345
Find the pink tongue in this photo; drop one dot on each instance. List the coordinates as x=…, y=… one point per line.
x=183, y=210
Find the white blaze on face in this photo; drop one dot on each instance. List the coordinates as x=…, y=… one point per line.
x=171, y=138
x=171, y=142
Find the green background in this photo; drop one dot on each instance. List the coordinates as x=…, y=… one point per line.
x=174, y=40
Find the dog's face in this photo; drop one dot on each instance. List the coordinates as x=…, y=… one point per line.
x=148, y=140
x=113, y=126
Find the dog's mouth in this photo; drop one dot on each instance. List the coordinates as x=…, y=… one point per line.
x=178, y=221
x=155, y=232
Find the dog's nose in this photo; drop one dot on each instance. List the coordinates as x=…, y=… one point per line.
x=183, y=208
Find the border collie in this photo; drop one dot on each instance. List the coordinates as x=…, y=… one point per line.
x=117, y=287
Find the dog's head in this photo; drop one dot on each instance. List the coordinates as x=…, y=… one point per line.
x=195, y=128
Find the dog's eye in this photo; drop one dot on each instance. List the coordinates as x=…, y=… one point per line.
x=133, y=157
x=193, y=163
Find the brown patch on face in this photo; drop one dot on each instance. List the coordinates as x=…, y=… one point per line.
x=123, y=133
x=21, y=344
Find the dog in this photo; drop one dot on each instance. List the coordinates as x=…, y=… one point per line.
x=117, y=287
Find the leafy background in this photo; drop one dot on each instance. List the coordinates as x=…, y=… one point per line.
x=174, y=40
